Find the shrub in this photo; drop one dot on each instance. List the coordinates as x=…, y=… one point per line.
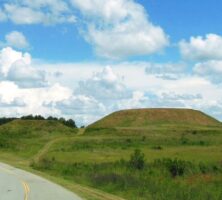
x=203, y=168
x=184, y=140
x=44, y=164
x=128, y=140
x=144, y=138
x=137, y=160
x=157, y=147
x=194, y=132
x=175, y=167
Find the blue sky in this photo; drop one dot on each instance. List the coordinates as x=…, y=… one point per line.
x=85, y=59
x=179, y=19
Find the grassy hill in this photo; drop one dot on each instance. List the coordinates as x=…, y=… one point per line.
x=147, y=117
x=181, y=149
x=35, y=126
x=26, y=137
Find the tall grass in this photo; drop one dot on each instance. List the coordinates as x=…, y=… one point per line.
x=162, y=179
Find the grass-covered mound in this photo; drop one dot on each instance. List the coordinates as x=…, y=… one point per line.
x=146, y=117
x=33, y=127
x=26, y=137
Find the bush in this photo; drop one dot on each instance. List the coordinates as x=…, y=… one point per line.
x=44, y=164
x=184, y=140
x=194, y=132
x=137, y=160
x=157, y=147
x=144, y=138
x=175, y=167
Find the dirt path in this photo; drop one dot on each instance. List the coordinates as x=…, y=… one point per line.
x=81, y=131
x=46, y=148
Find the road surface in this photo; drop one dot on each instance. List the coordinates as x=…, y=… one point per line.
x=16, y=184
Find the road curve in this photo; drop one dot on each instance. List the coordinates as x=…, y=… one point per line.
x=16, y=184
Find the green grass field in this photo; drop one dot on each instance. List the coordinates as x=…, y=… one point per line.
x=181, y=160
x=99, y=158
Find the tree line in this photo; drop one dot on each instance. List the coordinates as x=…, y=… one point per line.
x=70, y=122
x=5, y=120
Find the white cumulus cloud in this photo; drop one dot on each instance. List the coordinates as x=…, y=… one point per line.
x=115, y=28
x=16, y=67
x=84, y=109
x=8, y=56
x=171, y=71
x=31, y=100
x=211, y=69
x=26, y=76
x=202, y=48
x=38, y=12
x=16, y=39
x=120, y=28
x=104, y=85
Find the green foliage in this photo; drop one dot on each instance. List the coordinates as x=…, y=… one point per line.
x=44, y=164
x=184, y=140
x=157, y=147
x=70, y=123
x=32, y=117
x=5, y=120
x=100, y=131
x=96, y=159
x=137, y=160
x=52, y=118
x=152, y=182
x=174, y=166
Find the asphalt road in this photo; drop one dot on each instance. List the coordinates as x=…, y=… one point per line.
x=16, y=184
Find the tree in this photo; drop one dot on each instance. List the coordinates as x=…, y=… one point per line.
x=5, y=120
x=62, y=120
x=137, y=160
x=70, y=123
x=32, y=117
x=39, y=117
x=52, y=118
x=27, y=117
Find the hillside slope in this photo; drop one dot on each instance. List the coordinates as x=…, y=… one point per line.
x=146, y=117
x=26, y=137
x=25, y=142
x=31, y=126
